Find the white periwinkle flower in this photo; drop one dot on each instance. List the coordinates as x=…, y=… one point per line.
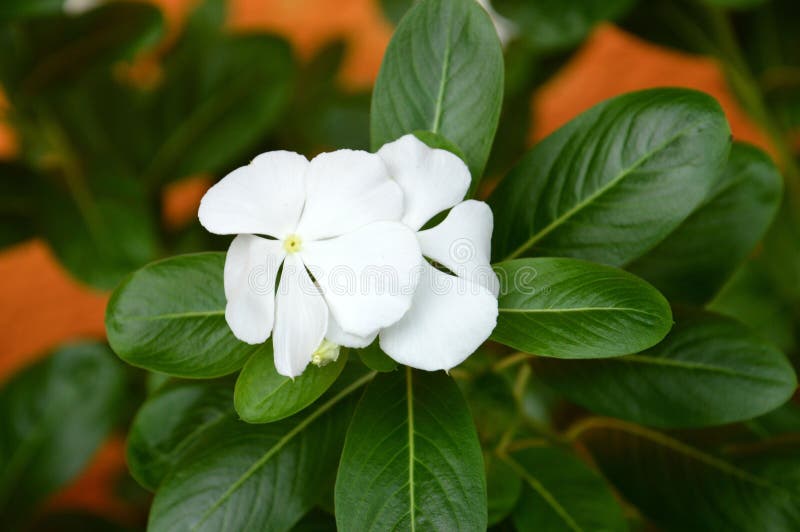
x=451, y=314
x=334, y=216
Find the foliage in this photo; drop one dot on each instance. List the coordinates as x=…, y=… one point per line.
x=648, y=272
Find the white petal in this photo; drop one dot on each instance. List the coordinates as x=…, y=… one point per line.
x=432, y=180
x=336, y=335
x=301, y=319
x=368, y=276
x=462, y=243
x=449, y=320
x=347, y=190
x=250, y=269
x=506, y=30
x=264, y=197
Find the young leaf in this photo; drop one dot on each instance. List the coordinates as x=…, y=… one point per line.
x=442, y=72
x=53, y=416
x=263, y=395
x=411, y=458
x=569, y=308
x=169, y=317
x=710, y=370
x=239, y=476
x=562, y=493
x=682, y=488
x=169, y=423
x=694, y=261
x=614, y=181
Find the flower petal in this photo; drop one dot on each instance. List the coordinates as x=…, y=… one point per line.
x=347, y=190
x=449, y=320
x=368, y=276
x=250, y=268
x=432, y=180
x=301, y=319
x=336, y=335
x=264, y=197
x=462, y=243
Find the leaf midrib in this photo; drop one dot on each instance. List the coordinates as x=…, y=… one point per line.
x=683, y=364
x=577, y=309
x=594, y=195
x=172, y=316
x=411, y=455
x=272, y=451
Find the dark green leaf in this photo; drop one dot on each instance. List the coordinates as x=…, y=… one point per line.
x=46, y=51
x=709, y=370
x=569, y=308
x=263, y=395
x=693, y=262
x=615, y=181
x=18, y=9
x=503, y=488
x=53, y=416
x=411, y=458
x=562, y=493
x=682, y=488
x=552, y=25
x=170, y=317
x=169, y=423
x=239, y=476
x=374, y=358
x=442, y=72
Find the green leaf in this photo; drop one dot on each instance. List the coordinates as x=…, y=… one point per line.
x=615, y=181
x=503, y=488
x=682, y=488
x=569, y=308
x=239, y=476
x=18, y=9
x=17, y=203
x=553, y=25
x=263, y=395
x=169, y=317
x=411, y=458
x=562, y=493
x=211, y=113
x=442, y=72
x=53, y=416
x=374, y=358
x=51, y=50
x=693, y=262
x=710, y=370
x=169, y=423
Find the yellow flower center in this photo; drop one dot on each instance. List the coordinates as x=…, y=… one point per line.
x=292, y=244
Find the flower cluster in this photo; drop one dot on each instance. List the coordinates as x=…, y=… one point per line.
x=337, y=251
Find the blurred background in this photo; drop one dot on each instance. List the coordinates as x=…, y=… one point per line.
x=115, y=119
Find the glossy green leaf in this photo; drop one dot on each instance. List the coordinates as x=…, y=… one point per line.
x=552, y=25
x=694, y=261
x=263, y=395
x=569, y=308
x=710, y=370
x=239, y=476
x=615, y=181
x=562, y=493
x=53, y=416
x=682, y=488
x=411, y=459
x=442, y=72
x=169, y=317
x=170, y=422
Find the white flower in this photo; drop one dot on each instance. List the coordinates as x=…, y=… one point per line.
x=335, y=216
x=506, y=30
x=452, y=314
x=76, y=7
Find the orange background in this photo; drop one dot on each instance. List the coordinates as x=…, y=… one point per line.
x=43, y=307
